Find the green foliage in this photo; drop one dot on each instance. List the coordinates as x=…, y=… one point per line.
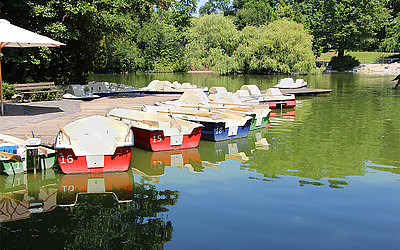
x=214, y=31
x=8, y=90
x=283, y=47
x=344, y=62
x=344, y=24
x=83, y=25
x=392, y=39
x=261, y=12
x=211, y=41
x=181, y=13
x=216, y=7
x=255, y=13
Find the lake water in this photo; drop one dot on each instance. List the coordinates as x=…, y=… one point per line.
x=329, y=179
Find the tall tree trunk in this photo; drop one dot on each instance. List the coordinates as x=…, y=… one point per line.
x=340, y=52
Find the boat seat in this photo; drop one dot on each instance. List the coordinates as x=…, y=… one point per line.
x=252, y=89
x=187, y=85
x=176, y=85
x=242, y=93
x=164, y=125
x=76, y=89
x=274, y=92
x=217, y=90
x=98, y=86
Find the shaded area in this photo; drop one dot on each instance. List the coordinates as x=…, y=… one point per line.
x=24, y=110
x=21, y=114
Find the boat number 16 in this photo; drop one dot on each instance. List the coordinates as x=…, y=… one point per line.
x=69, y=159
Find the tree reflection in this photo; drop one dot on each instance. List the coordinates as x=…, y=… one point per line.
x=97, y=220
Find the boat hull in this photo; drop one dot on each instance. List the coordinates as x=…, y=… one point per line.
x=259, y=123
x=279, y=104
x=216, y=131
x=11, y=167
x=70, y=163
x=156, y=141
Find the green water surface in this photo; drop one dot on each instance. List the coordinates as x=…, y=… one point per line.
x=327, y=179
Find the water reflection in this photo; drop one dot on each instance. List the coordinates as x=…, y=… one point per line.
x=119, y=184
x=239, y=149
x=22, y=195
x=83, y=211
x=152, y=164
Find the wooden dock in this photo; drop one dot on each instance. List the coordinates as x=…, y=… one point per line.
x=302, y=91
x=305, y=91
x=43, y=118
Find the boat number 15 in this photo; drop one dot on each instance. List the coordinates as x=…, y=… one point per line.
x=218, y=130
x=157, y=138
x=69, y=159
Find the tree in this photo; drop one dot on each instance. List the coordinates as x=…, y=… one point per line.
x=181, y=13
x=211, y=41
x=82, y=24
x=281, y=47
x=344, y=24
x=216, y=7
x=254, y=13
x=261, y=12
x=392, y=40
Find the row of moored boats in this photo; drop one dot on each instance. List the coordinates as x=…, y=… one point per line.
x=104, y=143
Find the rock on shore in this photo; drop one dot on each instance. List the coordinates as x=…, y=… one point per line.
x=386, y=69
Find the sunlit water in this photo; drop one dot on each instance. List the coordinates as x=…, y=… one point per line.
x=329, y=179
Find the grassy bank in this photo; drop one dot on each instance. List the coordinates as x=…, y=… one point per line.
x=363, y=57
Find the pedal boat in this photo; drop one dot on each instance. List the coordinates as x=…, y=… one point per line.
x=218, y=126
x=94, y=144
x=13, y=155
x=289, y=83
x=199, y=100
x=159, y=132
x=273, y=97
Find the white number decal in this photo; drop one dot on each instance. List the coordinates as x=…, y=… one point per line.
x=69, y=159
x=69, y=188
x=157, y=163
x=218, y=130
x=157, y=138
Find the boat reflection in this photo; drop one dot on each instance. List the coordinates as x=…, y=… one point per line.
x=119, y=184
x=153, y=164
x=24, y=194
x=277, y=116
x=100, y=211
x=238, y=150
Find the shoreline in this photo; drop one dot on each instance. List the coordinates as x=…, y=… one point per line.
x=378, y=69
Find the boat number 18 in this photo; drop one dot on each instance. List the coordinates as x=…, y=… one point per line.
x=218, y=130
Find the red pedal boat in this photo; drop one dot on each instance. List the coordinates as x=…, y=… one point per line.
x=159, y=132
x=94, y=144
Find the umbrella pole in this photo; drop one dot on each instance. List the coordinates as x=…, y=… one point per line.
x=1, y=86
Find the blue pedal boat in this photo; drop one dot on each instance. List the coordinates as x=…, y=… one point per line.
x=218, y=126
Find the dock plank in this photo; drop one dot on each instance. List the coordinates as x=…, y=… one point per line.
x=45, y=126
x=302, y=91
x=305, y=91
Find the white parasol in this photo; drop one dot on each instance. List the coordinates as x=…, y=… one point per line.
x=14, y=36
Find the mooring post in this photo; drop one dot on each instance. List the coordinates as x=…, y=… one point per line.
x=32, y=154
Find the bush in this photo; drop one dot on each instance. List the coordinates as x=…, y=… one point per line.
x=343, y=63
x=8, y=90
